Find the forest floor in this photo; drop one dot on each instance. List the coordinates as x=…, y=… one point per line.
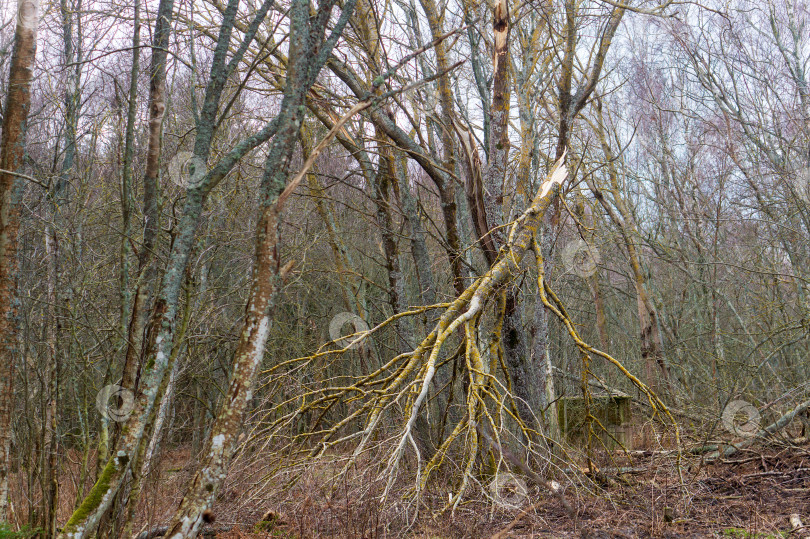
x=635, y=494
x=751, y=495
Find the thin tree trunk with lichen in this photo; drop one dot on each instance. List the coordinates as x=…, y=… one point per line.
x=132, y=342
x=146, y=274
x=309, y=48
x=586, y=218
x=443, y=181
x=133, y=314
x=12, y=152
x=416, y=232
x=137, y=312
x=161, y=326
x=446, y=187
x=381, y=195
x=48, y=470
x=142, y=459
x=56, y=206
x=569, y=105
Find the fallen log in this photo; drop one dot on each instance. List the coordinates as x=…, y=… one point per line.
x=774, y=427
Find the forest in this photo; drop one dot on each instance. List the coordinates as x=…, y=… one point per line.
x=404, y=268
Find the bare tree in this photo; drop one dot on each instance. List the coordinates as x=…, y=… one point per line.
x=12, y=154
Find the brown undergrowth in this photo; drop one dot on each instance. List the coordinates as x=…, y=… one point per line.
x=629, y=494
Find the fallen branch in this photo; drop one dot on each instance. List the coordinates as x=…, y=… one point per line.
x=776, y=426
x=504, y=533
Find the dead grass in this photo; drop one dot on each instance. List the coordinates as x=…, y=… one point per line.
x=751, y=495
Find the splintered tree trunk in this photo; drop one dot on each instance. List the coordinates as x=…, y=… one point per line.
x=12, y=151
x=515, y=344
x=499, y=118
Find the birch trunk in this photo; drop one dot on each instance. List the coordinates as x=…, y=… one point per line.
x=12, y=151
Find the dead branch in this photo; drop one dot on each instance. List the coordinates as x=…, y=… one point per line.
x=774, y=427
x=531, y=474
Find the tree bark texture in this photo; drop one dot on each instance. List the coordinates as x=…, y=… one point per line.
x=12, y=152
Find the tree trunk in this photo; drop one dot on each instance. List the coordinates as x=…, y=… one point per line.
x=146, y=273
x=12, y=151
x=446, y=188
x=652, y=346
x=306, y=38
